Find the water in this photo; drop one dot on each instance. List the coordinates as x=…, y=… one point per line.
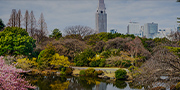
x=78, y=83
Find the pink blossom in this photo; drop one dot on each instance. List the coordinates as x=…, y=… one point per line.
x=10, y=79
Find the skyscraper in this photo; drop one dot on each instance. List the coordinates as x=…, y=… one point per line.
x=133, y=28
x=150, y=30
x=101, y=17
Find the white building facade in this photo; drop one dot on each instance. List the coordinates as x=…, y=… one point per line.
x=134, y=28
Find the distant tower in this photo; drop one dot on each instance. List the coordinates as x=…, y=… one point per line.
x=101, y=17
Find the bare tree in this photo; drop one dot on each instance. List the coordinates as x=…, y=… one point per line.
x=32, y=25
x=19, y=18
x=42, y=31
x=161, y=69
x=12, y=20
x=26, y=20
x=78, y=29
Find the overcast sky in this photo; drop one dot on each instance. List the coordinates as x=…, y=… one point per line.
x=63, y=13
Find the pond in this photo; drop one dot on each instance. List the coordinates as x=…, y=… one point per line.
x=78, y=83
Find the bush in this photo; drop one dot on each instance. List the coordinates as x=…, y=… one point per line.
x=82, y=59
x=100, y=72
x=120, y=74
x=94, y=63
x=102, y=63
x=16, y=41
x=69, y=71
x=159, y=88
x=89, y=72
x=82, y=73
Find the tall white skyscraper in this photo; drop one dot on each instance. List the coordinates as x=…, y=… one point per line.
x=101, y=17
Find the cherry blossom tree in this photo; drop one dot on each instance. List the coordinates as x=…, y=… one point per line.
x=10, y=79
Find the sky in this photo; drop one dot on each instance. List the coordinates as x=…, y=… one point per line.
x=64, y=13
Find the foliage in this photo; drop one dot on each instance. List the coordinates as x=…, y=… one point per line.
x=176, y=50
x=56, y=34
x=73, y=36
x=69, y=71
x=1, y=24
x=15, y=41
x=106, y=54
x=10, y=79
x=26, y=64
x=82, y=58
x=59, y=61
x=82, y=73
x=89, y=72
x=102, y=62
x=120, y=74
x=45, y=57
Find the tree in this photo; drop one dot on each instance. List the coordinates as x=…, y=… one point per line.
x=12, y=21
x=82, y=59
x=162, y=63
x=19, y=18
x=58, y=61
x=42, y=31
x=15, y=41
x=78, y=29
x=56, y=34
x=26, y=20
x=1, y=25
x=32, y=25
x=10, y=79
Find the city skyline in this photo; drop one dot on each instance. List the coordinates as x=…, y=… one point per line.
x=64, y=13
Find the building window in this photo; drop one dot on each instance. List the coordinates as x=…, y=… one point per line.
x=101, y=11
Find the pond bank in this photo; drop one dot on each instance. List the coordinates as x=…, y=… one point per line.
x=109, y=73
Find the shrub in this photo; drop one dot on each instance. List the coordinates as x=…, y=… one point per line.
x=102, y=62
x=89, y=72
x=94, y=63
x=69, y=71
x=82, y=59
x=16, y=41
x=82, y=73
x=100, y=72
x=159, y=88
x=120, y=74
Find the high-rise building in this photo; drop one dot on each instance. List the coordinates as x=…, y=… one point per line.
x=101, y=17
x=150, y=30
x=134, y=28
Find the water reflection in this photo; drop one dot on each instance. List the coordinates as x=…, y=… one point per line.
x=76, y=83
